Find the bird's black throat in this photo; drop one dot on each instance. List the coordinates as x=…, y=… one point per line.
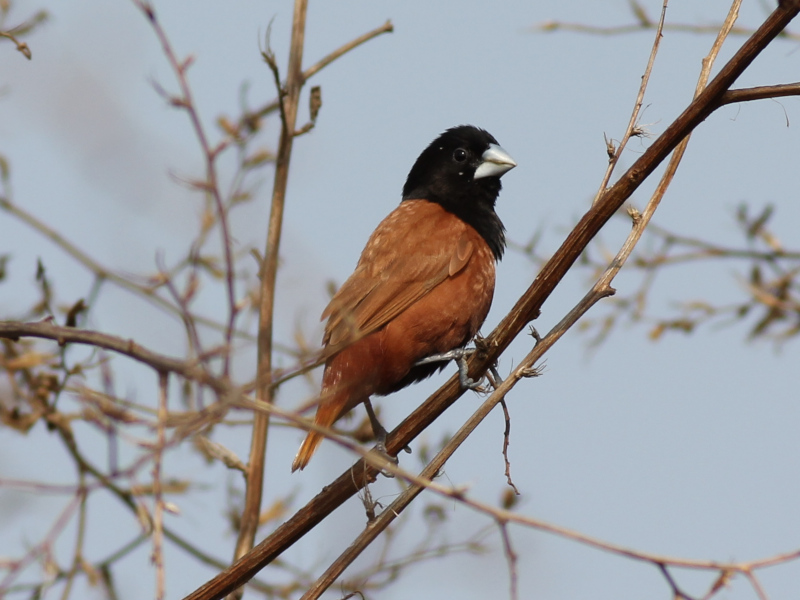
x=445, y=174
x=474, y=206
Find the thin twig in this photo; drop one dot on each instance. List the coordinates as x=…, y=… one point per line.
x=77, y=554
x=269, y=269
x=39, y=549
x=211, y=184
x=677, y=593
x=23, y=28
x=182, y=301
x=720, y=582
x=637, y=107
x=21, y=46
x=526, y=309
x=274, y=105
x=759, y=590
x=506, y=443
x=160, y=362
x=344, y=49
x=643, y=23
x=102, y=273
x=511, y=559
x=157, y=557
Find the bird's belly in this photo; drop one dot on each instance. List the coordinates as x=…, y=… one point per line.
x=447, y=318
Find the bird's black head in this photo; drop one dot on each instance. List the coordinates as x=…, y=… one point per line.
x=461, y=170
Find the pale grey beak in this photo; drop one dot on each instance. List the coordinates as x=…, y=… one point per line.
x=496, y=161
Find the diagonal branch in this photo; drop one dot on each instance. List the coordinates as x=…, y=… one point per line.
x=525, y=310
x=362, y=39
x=614, y=156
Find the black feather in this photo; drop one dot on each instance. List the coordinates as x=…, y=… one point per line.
x=437, y=176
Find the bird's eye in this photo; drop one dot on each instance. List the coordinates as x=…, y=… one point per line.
x=460, y=155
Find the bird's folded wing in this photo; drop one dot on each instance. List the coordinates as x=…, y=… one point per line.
x=389, y=278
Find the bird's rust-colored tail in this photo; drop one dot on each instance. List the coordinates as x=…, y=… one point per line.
x=330, y=408
x=306, y=451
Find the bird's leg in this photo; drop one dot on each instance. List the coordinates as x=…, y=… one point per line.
x=492, y=375
x=460, y=356
x=380, y=435
x=377, y=429
x=495, y=378
x=463, y=371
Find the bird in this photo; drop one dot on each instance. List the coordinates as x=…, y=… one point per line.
x=424, y=282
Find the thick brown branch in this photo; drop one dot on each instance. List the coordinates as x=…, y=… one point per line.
x=526, y=309
x=379, y=525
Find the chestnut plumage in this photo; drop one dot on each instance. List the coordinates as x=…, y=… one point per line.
x=424, y=282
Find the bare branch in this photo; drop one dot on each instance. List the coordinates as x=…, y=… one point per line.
x=157, y=557
x=63, y=335
x=614, y=154
x=506, y=443
x=21, y=46
x=24, y=28
x=644, y=23
x=526, y=309
x=511, y=559
x=102, y=273
x=269, y=269
x=760, y=93
x=316, y=68
x=211, y=183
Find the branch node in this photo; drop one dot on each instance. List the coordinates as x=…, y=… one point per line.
x=611, y=148
x=530, y=371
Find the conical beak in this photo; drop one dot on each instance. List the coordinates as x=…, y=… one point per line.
x=495, y=162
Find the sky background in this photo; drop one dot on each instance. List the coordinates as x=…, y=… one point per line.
x=686, y=447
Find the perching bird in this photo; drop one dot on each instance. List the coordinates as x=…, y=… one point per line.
x=424, y=283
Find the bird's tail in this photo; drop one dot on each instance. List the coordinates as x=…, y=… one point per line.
x=329, y=410
x=306, y=451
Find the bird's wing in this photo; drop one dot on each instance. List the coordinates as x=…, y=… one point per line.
x=408, y=256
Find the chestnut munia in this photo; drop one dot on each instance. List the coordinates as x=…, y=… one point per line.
x=424, y=282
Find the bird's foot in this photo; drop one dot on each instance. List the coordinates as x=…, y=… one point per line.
x=380, y=451
x=460, y=356
x=494, y=376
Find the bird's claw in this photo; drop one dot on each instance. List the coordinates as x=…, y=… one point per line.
x=380, y=450
x=468, y=383
x=460, y=356
x=495, y=378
